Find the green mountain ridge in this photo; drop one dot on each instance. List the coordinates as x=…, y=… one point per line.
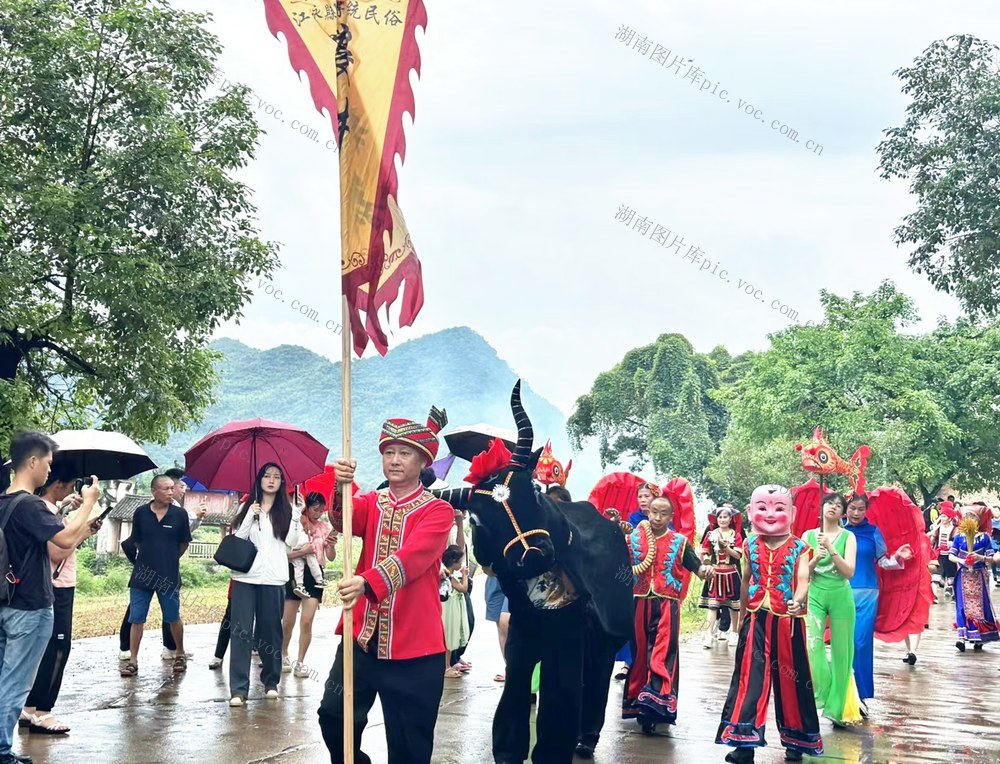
x=455, y=369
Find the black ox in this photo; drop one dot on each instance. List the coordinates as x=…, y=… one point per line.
x=531, y=543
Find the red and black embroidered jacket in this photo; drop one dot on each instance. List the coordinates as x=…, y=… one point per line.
x=404, y=539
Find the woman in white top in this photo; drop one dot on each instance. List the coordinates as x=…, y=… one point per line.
x=259, y=594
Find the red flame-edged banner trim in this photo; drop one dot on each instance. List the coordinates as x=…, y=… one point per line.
x=301, y=60
x=407, y=273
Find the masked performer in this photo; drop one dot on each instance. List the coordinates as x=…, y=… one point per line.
x=772, y=647
x=721, y=549
x=660, y=557
x=972, y=550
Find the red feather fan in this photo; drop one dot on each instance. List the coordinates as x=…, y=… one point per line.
x=806, y=499
x=616, y=491
x=905, y=596
x=678, y=490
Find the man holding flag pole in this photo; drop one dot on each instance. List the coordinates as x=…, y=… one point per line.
x=357, y=57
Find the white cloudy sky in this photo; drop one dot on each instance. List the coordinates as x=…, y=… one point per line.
x=534, y=125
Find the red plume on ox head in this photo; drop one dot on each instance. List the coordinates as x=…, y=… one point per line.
x=491, y=461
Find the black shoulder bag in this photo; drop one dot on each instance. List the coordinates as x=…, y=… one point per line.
x=236, y=553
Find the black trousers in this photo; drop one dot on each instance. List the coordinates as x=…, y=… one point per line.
x=555, y=639
x=48, y=679
x=410, y=693
x=124, y=634
x=256, y=611
x=598, y=665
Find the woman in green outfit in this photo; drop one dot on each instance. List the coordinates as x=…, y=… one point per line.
x=830, y=595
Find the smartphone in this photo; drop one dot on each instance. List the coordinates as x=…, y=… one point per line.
x=104, y=514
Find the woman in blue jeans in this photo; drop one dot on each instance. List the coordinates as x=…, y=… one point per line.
x=258, y=596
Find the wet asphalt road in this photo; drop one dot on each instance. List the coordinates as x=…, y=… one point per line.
x=944, y=709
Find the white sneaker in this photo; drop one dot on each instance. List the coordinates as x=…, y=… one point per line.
x=124, y=655
x=167, y=655
x=235, y=701
x=286, y=665
x=322, y=584
x=734, y=639
x=709, y=640
x=271, y=694
x=301, y=670
x=301, y=592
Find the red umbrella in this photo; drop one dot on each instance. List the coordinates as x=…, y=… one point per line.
x=230, y=457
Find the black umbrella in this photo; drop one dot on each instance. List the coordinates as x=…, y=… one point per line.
x=467, y=442
x=109, y=455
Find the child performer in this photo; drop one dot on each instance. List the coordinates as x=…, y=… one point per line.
x=721, y=550
x=659, y=559
x=772, y=647
x=644, y=494
x=971, y=550
x=941, y=535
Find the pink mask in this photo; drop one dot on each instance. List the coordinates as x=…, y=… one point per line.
x=771, y=510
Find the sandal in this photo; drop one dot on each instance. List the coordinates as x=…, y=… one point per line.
x=180, y=664
x=25, y=720
x=452, y=673
x=500, y=678
x=129, y=669
x=38, y=728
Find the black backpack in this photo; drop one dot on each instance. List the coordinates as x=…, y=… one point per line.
x=8, y=580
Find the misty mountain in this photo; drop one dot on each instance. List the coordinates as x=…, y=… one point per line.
x=455, y=369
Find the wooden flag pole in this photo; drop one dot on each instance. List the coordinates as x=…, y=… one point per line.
x=347, y=505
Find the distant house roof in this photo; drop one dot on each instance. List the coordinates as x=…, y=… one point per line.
x=127, y=506
x=222, y=508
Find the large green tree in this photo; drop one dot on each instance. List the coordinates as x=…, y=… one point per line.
x=125, y=237
x=655, y=407
x=948, y=148
x=927, y=405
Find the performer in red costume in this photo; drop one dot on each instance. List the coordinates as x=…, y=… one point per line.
x=660, y=561
x=398, y=638
x=772, y=647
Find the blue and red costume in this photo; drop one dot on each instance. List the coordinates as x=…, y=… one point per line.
x=772, y=653
x=651, y=688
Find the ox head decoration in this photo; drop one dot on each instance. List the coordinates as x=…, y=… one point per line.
x=504, y=503
x=550, y=470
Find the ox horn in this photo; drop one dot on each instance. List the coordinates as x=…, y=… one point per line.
x=525, y=435
x=459, y=498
